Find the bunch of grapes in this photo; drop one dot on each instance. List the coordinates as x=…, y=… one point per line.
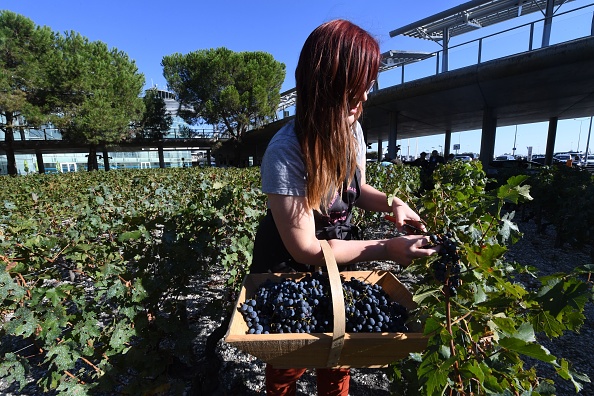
x=446, y=268
x=369, y=309
x=305, y=306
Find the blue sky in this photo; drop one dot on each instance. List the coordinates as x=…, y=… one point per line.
x=149, y=30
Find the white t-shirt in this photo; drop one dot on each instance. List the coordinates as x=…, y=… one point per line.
x=283, y=170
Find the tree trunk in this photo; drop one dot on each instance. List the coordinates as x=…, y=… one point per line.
x=9, y=139
x=105, y=159
x=92, y=160
x=235, y=154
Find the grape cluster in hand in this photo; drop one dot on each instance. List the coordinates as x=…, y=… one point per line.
x=305, y=306
x=447, y=268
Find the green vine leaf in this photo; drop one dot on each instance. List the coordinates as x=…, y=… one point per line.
x=474, y=369
x=9, y=289
x=120, y=337
x=530, y=349
x=576, y=378
x=23, y=323
x=130, y=236
x=13, y=369
x=62, y=356
x=513, y=192
x=508, y=229
x=435, y=372
x=558, y=296
x=485, y=255
x=544, y=321
x=479, y=295
x=432, y=325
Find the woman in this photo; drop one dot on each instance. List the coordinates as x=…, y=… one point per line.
x=313, y=172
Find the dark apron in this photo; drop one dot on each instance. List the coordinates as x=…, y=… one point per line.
x=270, y=254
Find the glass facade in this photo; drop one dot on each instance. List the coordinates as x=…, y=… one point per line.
x=143, y=158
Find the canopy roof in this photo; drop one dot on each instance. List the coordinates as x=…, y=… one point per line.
x=471, y=16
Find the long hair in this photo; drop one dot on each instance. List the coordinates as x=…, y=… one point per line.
x=338, y=62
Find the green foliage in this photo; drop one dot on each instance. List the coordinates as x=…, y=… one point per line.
x=95, y=269
x=23, y=47
x=88, y=91
x=155, y=121
x=477, y=339
x=24, y=60
x=232, y=90
x=564, y=197
x=97, y=90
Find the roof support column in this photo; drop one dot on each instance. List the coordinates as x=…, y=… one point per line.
x=488, y=136
x=447, y=143
x=551, y=137
x=161, y=157
x=445, y=44
x=588, y=142
x=393, y=135
x=380, y=150
x=548, y=22
x=208, y=157
x=40, y=165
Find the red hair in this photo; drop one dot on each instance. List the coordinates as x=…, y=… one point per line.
x=338, y=62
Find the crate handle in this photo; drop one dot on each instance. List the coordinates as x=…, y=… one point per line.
x=337, y=304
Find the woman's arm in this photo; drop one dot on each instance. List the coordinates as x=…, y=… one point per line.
x=296, y=227
x=376, y=201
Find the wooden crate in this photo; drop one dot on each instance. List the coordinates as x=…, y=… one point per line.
x=337, y=349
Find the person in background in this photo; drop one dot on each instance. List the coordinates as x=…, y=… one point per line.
x=421, y=161
x=434, y=160
x=573, y=161
x=313, y=173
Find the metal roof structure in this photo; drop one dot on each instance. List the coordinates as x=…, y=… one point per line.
x=458, y=20
x=470, y=16
x=394, y=58
x=551, y=82
x=288, y=99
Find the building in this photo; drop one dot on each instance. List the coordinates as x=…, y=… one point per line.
x=143, y=156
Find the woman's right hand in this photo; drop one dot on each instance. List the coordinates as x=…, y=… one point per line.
x=404, y=249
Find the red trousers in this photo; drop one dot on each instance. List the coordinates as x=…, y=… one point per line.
x=283, y=382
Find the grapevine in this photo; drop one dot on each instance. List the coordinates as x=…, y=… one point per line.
x=480, y=319
x=94, y=268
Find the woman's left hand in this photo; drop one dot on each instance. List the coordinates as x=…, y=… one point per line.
x=403, y=214
x=406, y=248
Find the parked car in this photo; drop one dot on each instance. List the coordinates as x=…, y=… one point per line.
x=505, y=157
x=526, y=166
x=538, y=158
x=562, y=158
x=472, y=156
x=463, y=157
x=586, y=162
